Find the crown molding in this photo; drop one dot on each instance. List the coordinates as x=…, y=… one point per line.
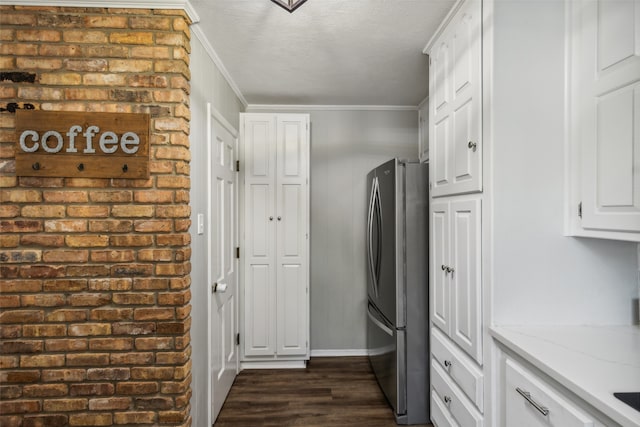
x=121, y=4
x=292, y=107
x=196, y=30
x=457, y=5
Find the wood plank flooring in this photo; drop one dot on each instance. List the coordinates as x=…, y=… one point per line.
x=331, y=391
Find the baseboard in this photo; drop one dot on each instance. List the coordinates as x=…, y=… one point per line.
x=277, y=364
x=339, y=353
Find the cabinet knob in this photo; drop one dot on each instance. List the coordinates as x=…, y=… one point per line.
x=450, y=270
x=447, y=364
x=444, y=267
x=270, y=218
x=279, y=218
x=447, y=399
x=472, y=145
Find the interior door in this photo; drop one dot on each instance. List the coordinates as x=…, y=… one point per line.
x=223, y=263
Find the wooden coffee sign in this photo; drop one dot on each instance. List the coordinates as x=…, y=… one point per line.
x=88, y=145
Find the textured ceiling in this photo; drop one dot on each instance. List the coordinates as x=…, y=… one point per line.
x=327, y=52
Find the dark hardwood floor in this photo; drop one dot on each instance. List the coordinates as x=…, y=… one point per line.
x=331, y=391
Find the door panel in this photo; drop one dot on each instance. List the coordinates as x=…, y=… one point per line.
x=292, y=323
x=465, y=277
x=439, y=297
x=222, y=237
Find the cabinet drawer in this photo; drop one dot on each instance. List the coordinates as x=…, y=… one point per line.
x=459, y=367
x=460, y=409
x=530, y=401
x=439, y=413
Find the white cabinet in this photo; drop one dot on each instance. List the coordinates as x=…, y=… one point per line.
x=529, y=401
x=275, y=169
x=423, y=131
x=605, y=119
x=452, y=408
x=455, y=289
x=455, y=104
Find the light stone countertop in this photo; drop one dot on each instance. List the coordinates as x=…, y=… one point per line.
x=591, y=361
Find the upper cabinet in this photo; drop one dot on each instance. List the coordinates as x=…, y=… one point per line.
x=455, y=104
x=605, y=120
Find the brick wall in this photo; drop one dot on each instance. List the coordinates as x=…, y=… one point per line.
x=94, y=273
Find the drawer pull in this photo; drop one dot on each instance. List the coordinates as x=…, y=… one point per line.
x=527, y=396
x=446, y=399
x=447, y=364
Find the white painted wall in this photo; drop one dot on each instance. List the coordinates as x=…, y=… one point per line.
x=207, y=86
x=345, y=146
x=540, y=276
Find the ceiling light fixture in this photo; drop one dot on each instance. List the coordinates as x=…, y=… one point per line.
x=289, y=5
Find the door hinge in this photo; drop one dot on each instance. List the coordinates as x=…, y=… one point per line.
x=238, y=252
x=580, y=210
x=237, y=165
x=237, y=339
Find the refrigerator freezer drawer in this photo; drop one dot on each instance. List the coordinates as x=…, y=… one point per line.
x=386, y=353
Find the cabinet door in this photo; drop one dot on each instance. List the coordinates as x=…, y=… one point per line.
x=466, y=322
x=455, y=82
x=292, y=233
x=607, y=103
x=439, y=289
x=258, y=143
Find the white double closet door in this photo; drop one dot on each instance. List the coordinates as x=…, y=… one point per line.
x=275, y=167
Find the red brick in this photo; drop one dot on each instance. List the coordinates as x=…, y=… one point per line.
x=150, y=284
x=89, y=300
x=95, y=211
x=66, y=256
x=41, y=271
x=131, y=241
x=111, y=344
x=22, y=346
x=153, y=226
x=21, y=316
x=65, y=405
x=109, y=403
x=9, y=301
x=128, y=270
x=133, y=417
x=134, y=328
x=66, y=315
x=108, y=374
x=44, y=330
x=19, y=407
x=65, y=345
x=113, y=256
x=112, y=284
x=20, y=226
x=91, y=420
x=8, y=392
x=154, y=314
x=157, y=343
x=8, y=362
x=21, y=376
x=65, y=226
x=87, y=359
x=152, y=373
x=134, y=298
x=65, y=285
x=109, y=196
x=43, y=300
x=138, y=358
x=21, y=286
x=42, y=240
x=87, y=271
x=137, y=388
x=93, y=389
x=111, y=314
x=89, y=329
x=45, y=390
x=64, y=375
x=59, y=196
x=42, y=361
x=111, y=226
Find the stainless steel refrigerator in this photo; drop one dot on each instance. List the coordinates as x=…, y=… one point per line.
x=397, y=266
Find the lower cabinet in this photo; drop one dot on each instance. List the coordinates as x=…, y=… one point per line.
x=529, y=400
x=456, y=385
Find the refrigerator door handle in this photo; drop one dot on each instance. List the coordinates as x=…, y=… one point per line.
x=378, y=258
x=378, y=323
x=369, y=238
